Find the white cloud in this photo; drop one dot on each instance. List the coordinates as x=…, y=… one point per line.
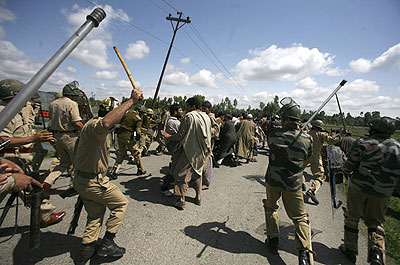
x=71, y=69
x=398, y=90
x=185, y=60
x=6, y=15
x=137, y=50
x=93, y=49
x=361, y=86
x=388, y=59
x=15, y=64
x=170, y=67
x=177, y=79
x=105, y=75
x=203, y=78
x=127, y=84
x=306, y=83
x=2, y=32
x=291, y=63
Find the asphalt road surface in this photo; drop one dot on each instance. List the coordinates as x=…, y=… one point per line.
x=228, y=228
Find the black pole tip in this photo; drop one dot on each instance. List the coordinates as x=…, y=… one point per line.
x=97, y=15
x=344, y=81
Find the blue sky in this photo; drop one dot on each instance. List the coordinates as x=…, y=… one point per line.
x=301, y=49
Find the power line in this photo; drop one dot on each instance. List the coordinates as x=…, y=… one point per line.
x=208, y=47
x=159, y=7
x=170, y=5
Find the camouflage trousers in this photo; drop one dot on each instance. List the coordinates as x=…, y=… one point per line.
x=372, y=210
x=317, y=169
x=295, y=209
x=125, y=146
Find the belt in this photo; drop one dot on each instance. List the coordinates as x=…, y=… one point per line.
x=21, y=151
x=89, y=175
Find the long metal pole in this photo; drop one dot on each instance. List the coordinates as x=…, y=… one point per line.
x=16, y=104
x=165, y=63
x=340, y=110
x=344, y=81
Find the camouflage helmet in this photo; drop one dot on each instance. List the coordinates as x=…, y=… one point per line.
x=384, y=125
x=70, y=89
x=318, y=123
x=290, y=108
x=149, y=111
x=9, y=88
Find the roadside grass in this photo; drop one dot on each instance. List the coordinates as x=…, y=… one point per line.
x=392, y=220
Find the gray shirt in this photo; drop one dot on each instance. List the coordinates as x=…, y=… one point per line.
x=172, y=127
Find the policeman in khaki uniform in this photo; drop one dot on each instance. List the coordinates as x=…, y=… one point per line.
x=65, y=123
x=94, y=187
x=373, y=164
x=19, y=132
x=289, y=147
x=128, y=133
x=315, y=161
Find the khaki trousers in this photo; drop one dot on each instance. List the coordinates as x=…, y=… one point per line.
x=65, y=151
x=317, y=169
x=98, y=194
x=123, y=147
x=372, y=210
x=294, y=207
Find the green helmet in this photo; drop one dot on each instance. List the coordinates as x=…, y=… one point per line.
x=72, y=89
x=9, y=88
x=290, y=108
x=149, y=111
x=384, y=125
x=318, y=123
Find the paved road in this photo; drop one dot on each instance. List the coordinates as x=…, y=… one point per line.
x=228, y=228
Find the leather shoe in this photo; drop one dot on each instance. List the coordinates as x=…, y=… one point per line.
x=375, y=256
x=108, y=248
x=141, y=172
x=54, y=219
x=311, y=195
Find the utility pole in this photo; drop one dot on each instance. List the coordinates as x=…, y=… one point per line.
x=170, y=18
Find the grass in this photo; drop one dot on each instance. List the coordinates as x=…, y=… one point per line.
x=392, y=220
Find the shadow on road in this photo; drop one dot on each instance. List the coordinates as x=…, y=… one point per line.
x=147, y=189
x=260, y=179
x=51, y=245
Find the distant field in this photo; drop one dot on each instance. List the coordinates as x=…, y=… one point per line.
x=392, y=223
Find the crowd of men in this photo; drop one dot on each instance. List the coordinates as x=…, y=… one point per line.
x=197, y=141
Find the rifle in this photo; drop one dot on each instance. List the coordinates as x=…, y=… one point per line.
x=34, y=200
x=77, y=212
x=344, y=81
x=335, y=161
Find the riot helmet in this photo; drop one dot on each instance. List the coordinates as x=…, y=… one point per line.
x=385, y=125
x=107, y=105
x=318, y=124
x=72, y=89
x=9, y=88
x=149, y=111
x=290, y=108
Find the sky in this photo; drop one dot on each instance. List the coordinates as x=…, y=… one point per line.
x=249, y=50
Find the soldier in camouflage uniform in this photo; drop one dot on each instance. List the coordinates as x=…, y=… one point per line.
x=373, y=165
x=289, y=147
x=128, y=135
x=315, y=161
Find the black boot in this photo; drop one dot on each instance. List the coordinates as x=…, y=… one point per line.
x=273, y=245
x=112, y=173
x=140, y=172
x=350, y=255
x=375, y=256
x=311, y=194
x=304, y=258
x=108, y=248
x=87, y=251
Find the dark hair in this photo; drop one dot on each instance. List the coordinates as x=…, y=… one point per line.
x=194, y=101
x=173, y=108
x=206, y=104
x=228, y=117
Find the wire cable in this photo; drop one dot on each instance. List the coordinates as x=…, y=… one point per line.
x=170, y=5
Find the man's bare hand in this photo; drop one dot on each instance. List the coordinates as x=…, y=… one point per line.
x=43, y=136
x=14, y=167
x=136, y=94
x=165, y=134
x=4, y=177
x=24, y=182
